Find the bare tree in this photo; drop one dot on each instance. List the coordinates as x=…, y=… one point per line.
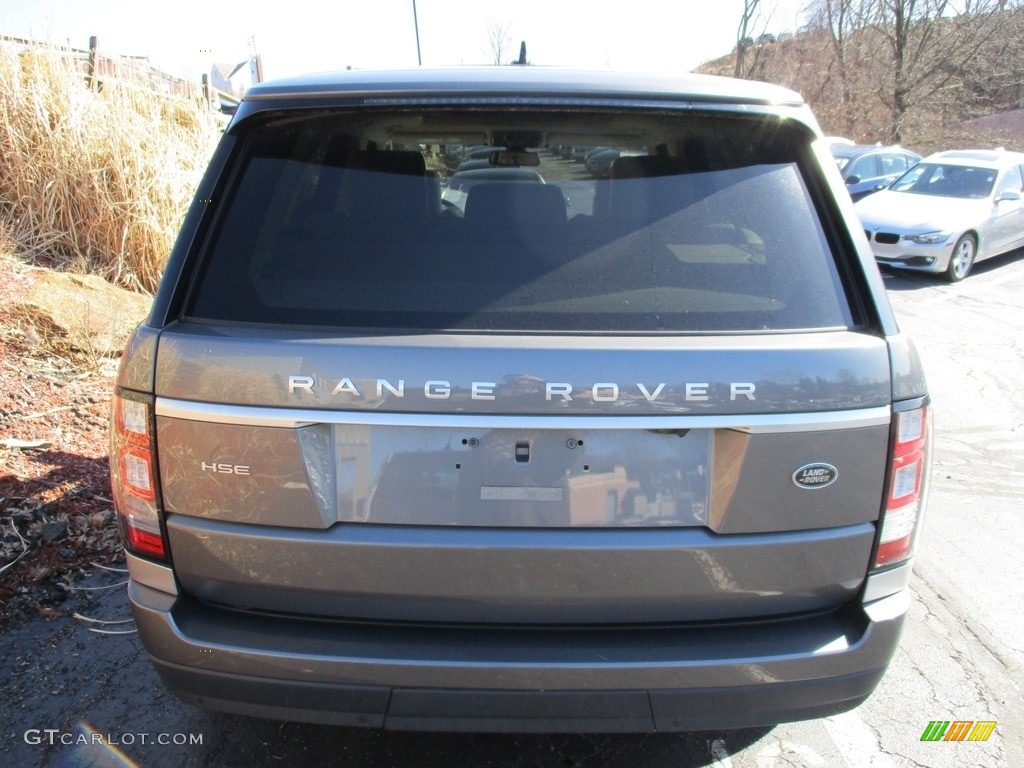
x=744, y=39
x=994, y=78
x=752, y=39
x=893, y=61
x=843, y=23
x=897, y=70
x=926, y=48
x=499, y=42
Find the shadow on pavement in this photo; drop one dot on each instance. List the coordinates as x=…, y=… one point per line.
x=80, y=691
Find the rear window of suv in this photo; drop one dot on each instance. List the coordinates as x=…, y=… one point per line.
x=378, y=220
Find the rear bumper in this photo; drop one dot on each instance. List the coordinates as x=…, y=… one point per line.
x=483, y=679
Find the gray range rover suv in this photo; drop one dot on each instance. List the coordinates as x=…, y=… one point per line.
x=645, y=452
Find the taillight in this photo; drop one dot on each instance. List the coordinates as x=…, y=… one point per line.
x=133, y=475
x=904, y=502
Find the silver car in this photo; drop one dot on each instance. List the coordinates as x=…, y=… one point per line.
x=867, y=169
x=947, y=212
x=653, y=461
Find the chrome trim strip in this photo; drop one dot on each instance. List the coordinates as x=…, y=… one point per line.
x=290, y=418
x=152, y=575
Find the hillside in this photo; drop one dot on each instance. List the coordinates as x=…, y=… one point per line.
x=954, y=70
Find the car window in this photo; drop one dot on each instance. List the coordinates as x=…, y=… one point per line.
x=1012, y=181
x=864, y=167
x=947, y=181
x=329, y=225
x=895, y=162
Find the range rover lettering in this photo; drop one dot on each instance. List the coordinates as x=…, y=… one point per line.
x=640, y=451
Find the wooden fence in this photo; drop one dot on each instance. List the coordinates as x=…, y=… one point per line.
x=98, y=68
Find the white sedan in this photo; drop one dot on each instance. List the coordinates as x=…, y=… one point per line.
x=948, y=211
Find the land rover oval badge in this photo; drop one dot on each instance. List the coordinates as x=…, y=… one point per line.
x=817, y=475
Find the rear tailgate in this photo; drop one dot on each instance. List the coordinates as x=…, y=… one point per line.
x=532, y=480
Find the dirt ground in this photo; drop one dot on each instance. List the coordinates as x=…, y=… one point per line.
x=56, y=515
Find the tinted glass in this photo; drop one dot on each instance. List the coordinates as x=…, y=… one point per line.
x=1012, y=181
x=361, y=221
x=865, y=167
x=896, y=163
x=945, y=180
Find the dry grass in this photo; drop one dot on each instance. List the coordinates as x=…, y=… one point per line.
x=95, y=181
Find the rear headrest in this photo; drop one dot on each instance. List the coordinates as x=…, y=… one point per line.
x=387, y=190
x=521, y=206
x=405, y=162
x=646, y=166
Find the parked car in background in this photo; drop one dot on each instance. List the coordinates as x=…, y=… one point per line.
x=457, y=156
x=599, y=164
x=869, y=168
x=947, y=212
x=579, y=154
x=653, y=462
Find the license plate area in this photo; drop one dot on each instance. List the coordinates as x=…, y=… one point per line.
x=498, y=477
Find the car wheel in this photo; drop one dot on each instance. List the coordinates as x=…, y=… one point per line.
x=962, y=260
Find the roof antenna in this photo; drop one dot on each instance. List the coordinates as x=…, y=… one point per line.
x=522, y=54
